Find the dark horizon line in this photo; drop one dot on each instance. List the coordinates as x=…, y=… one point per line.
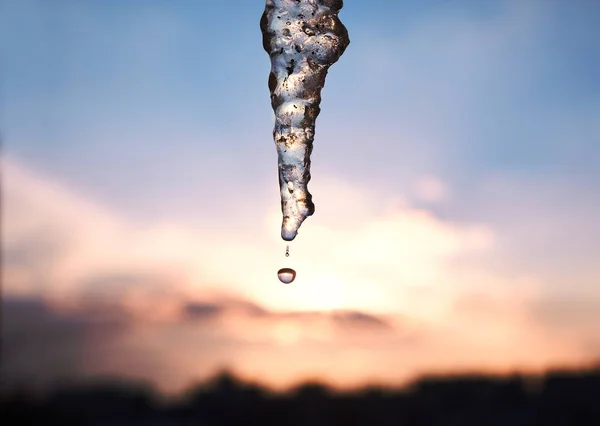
x=226, y=379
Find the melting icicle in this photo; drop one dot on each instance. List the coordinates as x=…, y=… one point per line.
x=303, y=38
x=286, y=275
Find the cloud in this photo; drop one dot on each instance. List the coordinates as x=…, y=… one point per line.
x=42, y=347
x=356, y=319
x=236, y=316
x=545, y=227
x=381, y=291
x=223, y=331
x=345, y=258
x=97, y=339
x=575, y=318
x=432, y=189
x=200, y=311
x=221, y=303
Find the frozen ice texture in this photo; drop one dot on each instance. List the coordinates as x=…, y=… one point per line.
x=303, y=39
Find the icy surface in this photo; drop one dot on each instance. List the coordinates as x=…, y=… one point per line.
x=303, y=38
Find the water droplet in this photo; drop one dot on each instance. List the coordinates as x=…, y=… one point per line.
x=286, y=275
x=287, y=251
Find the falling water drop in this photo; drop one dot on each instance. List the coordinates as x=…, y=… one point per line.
x=287, y=251
x=286, y=275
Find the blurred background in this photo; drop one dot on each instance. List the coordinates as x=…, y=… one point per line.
x=455, y=177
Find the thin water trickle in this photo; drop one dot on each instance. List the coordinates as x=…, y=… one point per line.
x=286, y=275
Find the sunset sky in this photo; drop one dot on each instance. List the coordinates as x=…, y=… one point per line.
x=456, y=179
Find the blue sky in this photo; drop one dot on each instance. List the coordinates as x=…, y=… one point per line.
x=496, y=87
x=457, y=156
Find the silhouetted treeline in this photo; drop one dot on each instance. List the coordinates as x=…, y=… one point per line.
x=560, y=398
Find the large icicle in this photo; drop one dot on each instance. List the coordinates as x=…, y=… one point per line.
x=303, y=38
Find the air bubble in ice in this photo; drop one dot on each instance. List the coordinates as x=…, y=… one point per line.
x=286, y=275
